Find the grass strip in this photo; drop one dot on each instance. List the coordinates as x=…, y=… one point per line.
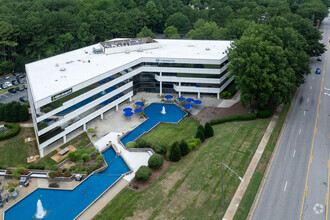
x=250, y=193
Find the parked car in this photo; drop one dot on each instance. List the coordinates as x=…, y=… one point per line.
x=319, y=58
x=21, y=80
x=318, y=71
x=8, y=84
x=6, y=77
x=20, y=88
x=16, y=74
x=4, y=86
x=24, y=99
x=12, y=90
x=14, y=82
x=20, y=75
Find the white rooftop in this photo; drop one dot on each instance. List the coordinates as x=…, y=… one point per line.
x=59, y=73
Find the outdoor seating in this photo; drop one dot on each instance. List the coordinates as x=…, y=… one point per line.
x=26, y=184
x=64, y=151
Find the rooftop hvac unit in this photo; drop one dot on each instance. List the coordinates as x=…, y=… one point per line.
x=127, y=51
x=207, y=49
x=140, y=49
x=62, y=69
x=97, y=50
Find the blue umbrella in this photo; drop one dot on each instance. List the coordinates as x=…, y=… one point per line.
x=138, y=110
x=197, y=85
x=168, y=96
x=116, y=96
x=180, y=99
x=190, y=99
x=110, y=78
x=127, y=109
x=101, y=82
x=187, y=106
x=197, y=102
x=139, y=103
x=128, y=114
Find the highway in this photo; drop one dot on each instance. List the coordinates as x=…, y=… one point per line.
x=297, y=186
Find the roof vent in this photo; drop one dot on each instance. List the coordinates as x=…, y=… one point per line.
x=56, y=65
x=207, y=49
x=127, y=51
x=190, y=45
x=140, y=49
x=62, y=69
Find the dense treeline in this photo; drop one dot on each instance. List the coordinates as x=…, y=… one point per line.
x=35, y=29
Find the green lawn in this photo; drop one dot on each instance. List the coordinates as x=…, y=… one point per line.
x=191, y=188
x=14, y=152
x=160, y=135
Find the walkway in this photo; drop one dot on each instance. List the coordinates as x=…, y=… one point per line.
x=233, y=206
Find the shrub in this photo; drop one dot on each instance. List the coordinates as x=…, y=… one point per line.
x=225, y=94
x=155, y=161
x=90, y=150
x=67, y=173
x=64, y=169
x=36, y=166
x=200, y=127
x=90, y=130
x=100, y=157
x=266, y=113
x=193, y=143
x=184, y=148
x=16, y=173
x=9, y=171
x=46, y=109
x=142, y=144
x=54, y=167
x=208, y=131
x=51, y=174
x=243, y=117
x=131, y=144
x=14, y=130
x=75, y=155
x=58, y=173
x=143, y=173
x=175, y=153
x=200, y=135
x=160, y=149
x=85, y=157
x=11, y=190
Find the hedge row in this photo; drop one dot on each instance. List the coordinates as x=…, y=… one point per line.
x=14, y=130
x=243, y=117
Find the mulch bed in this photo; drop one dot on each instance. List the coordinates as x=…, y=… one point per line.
x=209, y=113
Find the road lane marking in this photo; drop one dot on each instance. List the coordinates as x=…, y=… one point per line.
x=304, y=112
x=307, y=99
x=294, y=153
x=329, y=135
x=326, y=89
x=286, y=183
x=310, y=87
x=327, y=195
x=315, y=126
x=300, y=132
x=327, y=94
x=313, y=77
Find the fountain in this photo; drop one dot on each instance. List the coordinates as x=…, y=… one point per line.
x=41, y=212
x=163, y=111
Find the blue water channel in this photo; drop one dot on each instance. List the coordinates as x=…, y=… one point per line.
x=173, y=115
x=67, y=204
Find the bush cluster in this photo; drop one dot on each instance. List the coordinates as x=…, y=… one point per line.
x=143, y=173
x=20, y=171
x=83, y=154
x=225, y=94
x=155, y=161
x=13, y=112
x=193, y=143
x=142, y=144
x=131, y=144
x=243, y=117
x=14, y=130
x=266, y=113
x=160, y=149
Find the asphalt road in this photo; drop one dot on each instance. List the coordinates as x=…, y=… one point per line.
x=297, y=185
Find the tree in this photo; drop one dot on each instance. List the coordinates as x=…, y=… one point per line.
x=175, y=153
x=259, y=65
x=154, y=17
x=184, y=147
x=14, y=112
x=314, y=10
x=200, y=135
x=171, y=32
x=208, y=131
x=155, y=161
x=180, y=21
x=146, y=32
x=143, y=173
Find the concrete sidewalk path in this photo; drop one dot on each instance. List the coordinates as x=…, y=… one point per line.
x=233, y=206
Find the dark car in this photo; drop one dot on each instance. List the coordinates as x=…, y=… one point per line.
x=24, y=99
x=12, y=90
x=318, y=71
x=16, y=74
x=15, y=82
x=6, y=77
x=20, y=88
x=319, y=58
x=4, y=86
x=20, y=75
x=21, y=81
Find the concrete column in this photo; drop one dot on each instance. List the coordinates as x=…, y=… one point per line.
x=64, y=138
x=130, y=98
x=41, y=152
x=179, y=93
x=218, y=95
x=117, y=107
x=38, y=111
x=102, y=116
x=160, y=85
x=198, y=95
x=85, y=127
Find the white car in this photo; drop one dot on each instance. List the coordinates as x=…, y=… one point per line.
x=8, y=84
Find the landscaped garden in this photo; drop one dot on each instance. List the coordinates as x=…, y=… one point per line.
x=191, y=188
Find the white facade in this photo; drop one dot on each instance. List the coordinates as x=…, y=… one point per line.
x=68, y=90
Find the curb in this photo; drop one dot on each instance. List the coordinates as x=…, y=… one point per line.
x=270, y=163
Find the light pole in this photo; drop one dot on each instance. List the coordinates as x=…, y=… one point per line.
x=240, y=178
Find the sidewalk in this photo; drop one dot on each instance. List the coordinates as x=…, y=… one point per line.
x=233, y=206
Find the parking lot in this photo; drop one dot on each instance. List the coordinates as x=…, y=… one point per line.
x=9, y=97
